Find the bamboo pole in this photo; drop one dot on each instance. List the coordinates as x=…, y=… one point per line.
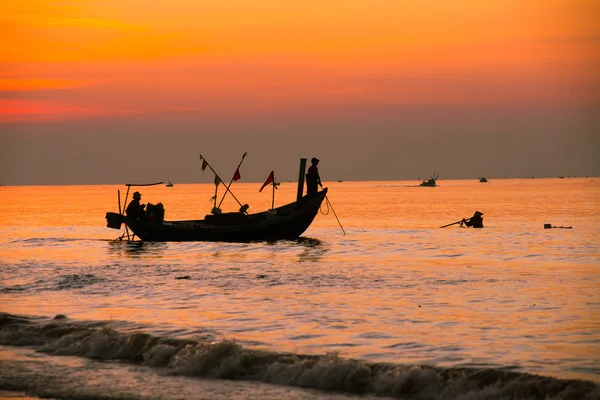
x=457, y=222
x=231, y=181
x=217, y=175
x=273, y=196
x=301, y=173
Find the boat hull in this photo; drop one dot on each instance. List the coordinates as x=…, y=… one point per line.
x=286, y=222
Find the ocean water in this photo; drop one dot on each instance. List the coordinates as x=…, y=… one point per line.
x=395, y=308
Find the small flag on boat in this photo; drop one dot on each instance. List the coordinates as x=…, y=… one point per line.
x=204, y=164
x=270, y=179
x=217, y=180
x=237, y=176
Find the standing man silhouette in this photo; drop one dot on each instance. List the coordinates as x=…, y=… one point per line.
x=313, y=180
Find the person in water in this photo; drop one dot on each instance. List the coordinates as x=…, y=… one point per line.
x=135, y=210
x=476, y=221
x=313, y=180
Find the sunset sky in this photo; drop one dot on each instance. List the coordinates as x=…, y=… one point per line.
x=107, y=91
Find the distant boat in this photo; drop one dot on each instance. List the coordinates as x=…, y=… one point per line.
x=482, y=179
x=169, y=184
x=431, y=182
x=561, y=177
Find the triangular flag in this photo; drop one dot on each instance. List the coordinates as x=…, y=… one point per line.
x=204, y=164
x=270, y=179
x=217, y=180
x=237, y=176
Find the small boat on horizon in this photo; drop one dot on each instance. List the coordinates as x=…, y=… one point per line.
x=432, y=181
x=169, y=184
x=483, y=179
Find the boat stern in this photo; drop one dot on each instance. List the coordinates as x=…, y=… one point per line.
x=114, y=220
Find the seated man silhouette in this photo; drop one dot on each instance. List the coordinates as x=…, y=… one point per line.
x=476, y=221
x=135, y=210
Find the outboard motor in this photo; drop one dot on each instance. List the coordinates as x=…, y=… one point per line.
x=155, y=212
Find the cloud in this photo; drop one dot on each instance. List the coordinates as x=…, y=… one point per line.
x=91, y=23
x=24, y=110
x=17, y=85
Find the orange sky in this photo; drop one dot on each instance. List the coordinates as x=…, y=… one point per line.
x=376, y=89
x=97, y=58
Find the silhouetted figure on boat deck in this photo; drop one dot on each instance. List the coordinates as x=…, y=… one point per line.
x=135, y=210
x=476, y=221
x=313, y=180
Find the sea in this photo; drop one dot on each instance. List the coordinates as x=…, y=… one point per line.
x=375, y=301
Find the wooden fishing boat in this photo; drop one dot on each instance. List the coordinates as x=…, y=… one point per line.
x=281, y=223
x=286, y=222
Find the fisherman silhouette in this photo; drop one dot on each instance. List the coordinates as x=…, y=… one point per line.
x=476, y=221
x=135, y=210
x=313, y=180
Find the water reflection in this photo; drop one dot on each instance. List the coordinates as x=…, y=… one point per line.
x=313, y=251
x=136, y=248
x=309, y=242
x=305, y=241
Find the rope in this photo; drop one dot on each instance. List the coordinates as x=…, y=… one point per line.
x=321, y=208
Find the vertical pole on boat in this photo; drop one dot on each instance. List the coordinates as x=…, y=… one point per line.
x=121, y=212
x=217, y=181
x=119, y=199
x=273, y=197
x=231, y=181
x=301, y=179
x=126, y=197
x=124, y=203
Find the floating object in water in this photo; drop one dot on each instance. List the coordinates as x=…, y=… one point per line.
x=548, y=226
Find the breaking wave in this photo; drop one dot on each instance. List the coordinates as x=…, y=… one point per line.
x=229, y=360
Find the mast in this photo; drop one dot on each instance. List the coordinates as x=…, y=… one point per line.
x=301, y=179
